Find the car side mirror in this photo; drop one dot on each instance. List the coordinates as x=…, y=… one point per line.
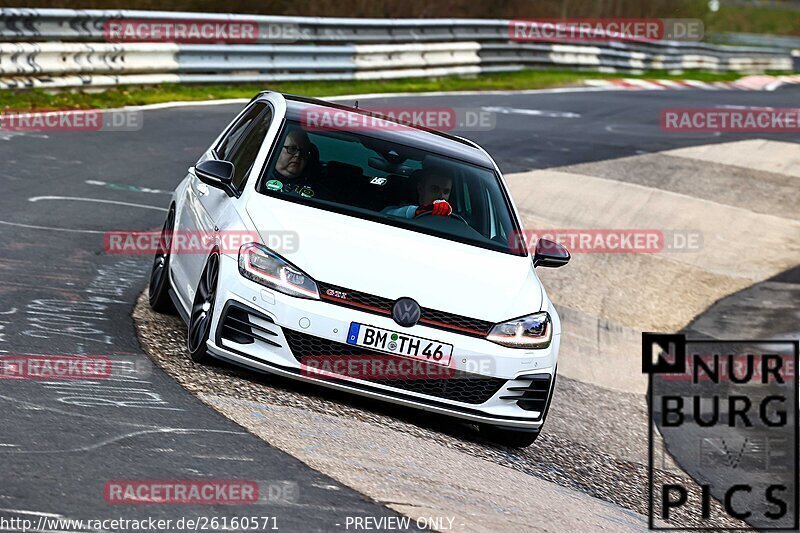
x=217, y=174
x=550, y=254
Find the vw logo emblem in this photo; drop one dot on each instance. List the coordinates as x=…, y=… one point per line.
x=406, y=312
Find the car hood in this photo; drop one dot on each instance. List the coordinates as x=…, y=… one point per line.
x=393, y=262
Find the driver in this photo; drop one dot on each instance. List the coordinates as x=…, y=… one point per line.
x=293, y=168
x=433, y=191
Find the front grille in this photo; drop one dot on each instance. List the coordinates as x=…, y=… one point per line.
x=532, y=397
x=457, y=386
x=238, y=325
x=383, y=306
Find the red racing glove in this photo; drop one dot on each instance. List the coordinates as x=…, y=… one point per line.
x=437, y=208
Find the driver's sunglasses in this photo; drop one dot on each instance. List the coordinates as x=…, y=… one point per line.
x=294, y=150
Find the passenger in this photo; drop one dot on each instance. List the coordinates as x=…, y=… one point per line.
x=433, y=192
x=295, y=167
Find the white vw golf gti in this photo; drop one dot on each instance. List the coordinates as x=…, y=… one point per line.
x=367, y=255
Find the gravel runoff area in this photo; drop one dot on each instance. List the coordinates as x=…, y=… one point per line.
x=592, y=452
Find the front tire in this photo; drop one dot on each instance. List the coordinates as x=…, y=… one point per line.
x=158, y=292
x=203, y=311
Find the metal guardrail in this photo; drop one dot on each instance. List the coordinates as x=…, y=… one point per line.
x=68, y=48
x=756, y=39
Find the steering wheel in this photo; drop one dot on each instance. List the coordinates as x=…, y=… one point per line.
x=451, y=215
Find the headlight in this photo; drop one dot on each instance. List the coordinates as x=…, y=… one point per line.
x=258, y=263
x=532, y=331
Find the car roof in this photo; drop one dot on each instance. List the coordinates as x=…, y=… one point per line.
x=417, y=137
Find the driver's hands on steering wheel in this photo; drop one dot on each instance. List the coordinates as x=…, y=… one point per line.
x=437, y=208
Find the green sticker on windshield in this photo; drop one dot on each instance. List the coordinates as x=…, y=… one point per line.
x=274, y=185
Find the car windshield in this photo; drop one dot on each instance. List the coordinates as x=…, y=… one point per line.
x=371, y=178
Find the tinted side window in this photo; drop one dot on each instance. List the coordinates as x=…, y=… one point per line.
x=244, y=155
x=228, y=143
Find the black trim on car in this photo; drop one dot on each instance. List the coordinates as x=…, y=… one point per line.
x=529, y=397
x=177, y=303
x=241, y=328
x=426, y=378
x=233, y=124
x=379, y=305
x=263, y=170
x=365, y=388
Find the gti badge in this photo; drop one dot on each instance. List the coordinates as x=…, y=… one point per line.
x=406, y=312
x=336, y=294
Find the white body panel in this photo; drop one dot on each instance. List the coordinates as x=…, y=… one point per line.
x=395, y=262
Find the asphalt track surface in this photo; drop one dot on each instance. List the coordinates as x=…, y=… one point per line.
x=61, y=294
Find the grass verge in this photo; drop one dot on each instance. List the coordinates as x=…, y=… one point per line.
x=38, y=99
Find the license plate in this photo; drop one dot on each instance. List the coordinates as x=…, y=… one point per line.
x=384, y=340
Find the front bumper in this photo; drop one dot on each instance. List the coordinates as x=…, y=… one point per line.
x=271, y=332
